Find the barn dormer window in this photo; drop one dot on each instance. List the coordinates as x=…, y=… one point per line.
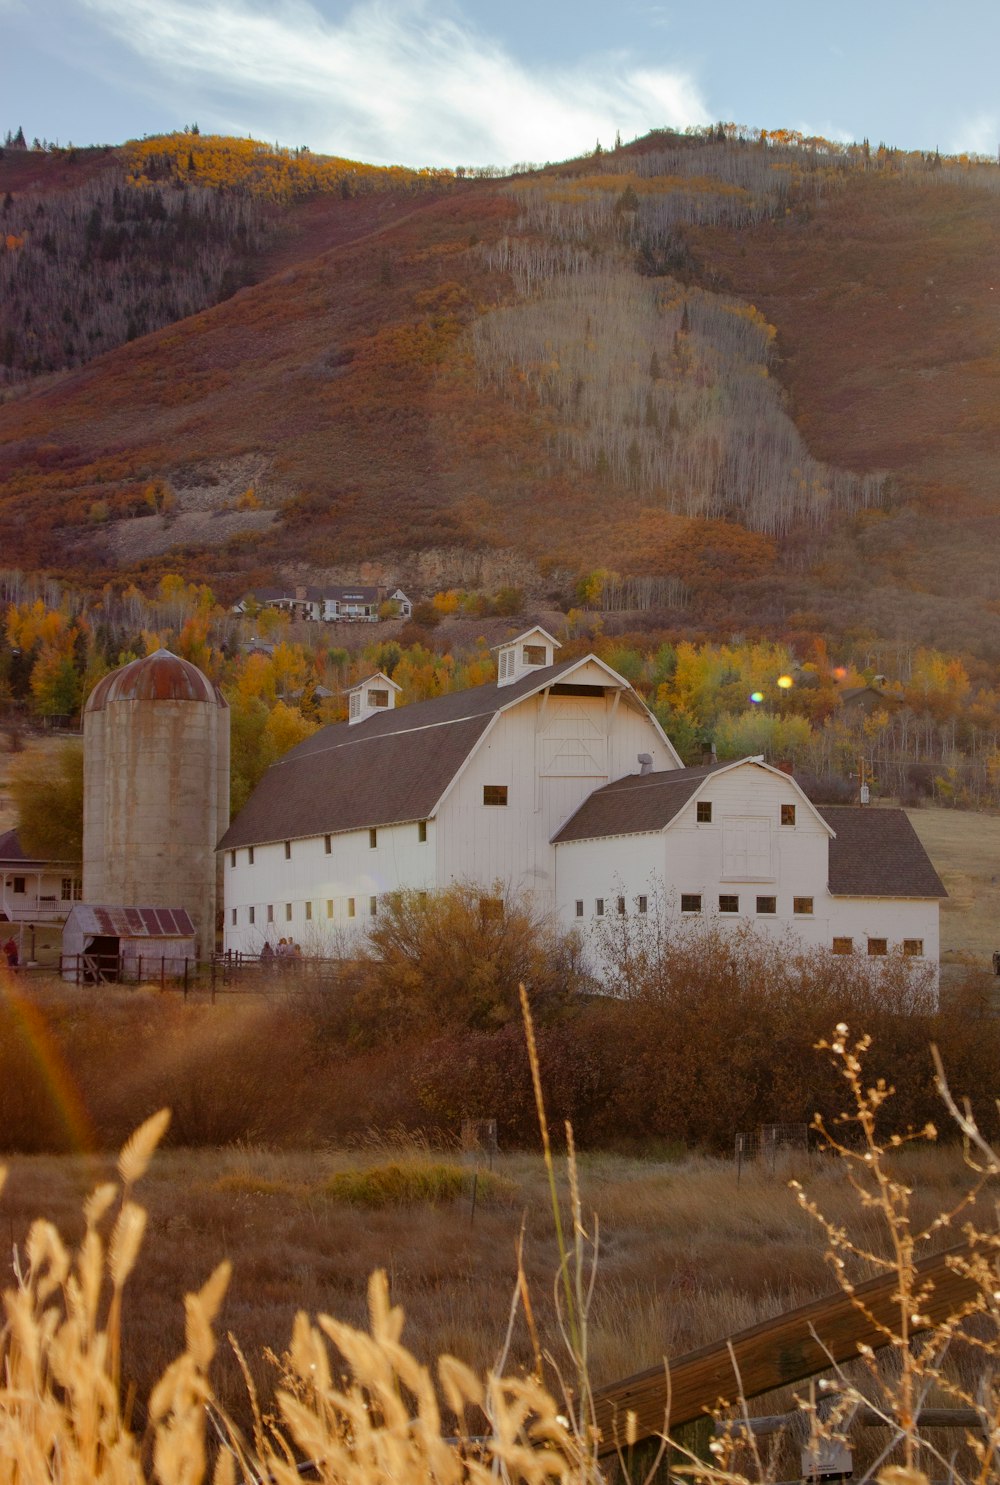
x=376, y=694
x=533, y=650
x=378, y=698
x=534, y=654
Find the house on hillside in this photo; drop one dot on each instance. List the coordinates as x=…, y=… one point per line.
x=331, y=605
x=741, y=843
x=556, y=780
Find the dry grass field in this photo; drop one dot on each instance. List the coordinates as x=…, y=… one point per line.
x=687, y=1251
x=965, y=848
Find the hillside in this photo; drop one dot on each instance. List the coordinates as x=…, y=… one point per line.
x=755, y=379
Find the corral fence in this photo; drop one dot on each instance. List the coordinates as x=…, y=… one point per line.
x=223, y=974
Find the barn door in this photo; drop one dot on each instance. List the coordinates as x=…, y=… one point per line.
x=746, y=848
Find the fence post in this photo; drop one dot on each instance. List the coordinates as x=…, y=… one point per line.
x=185, y=977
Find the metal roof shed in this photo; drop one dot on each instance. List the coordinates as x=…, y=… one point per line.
x=105, y=944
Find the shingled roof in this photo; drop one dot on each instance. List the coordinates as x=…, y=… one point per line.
x=877, y=853
x=392, y=767
x=12, y=853
x=638, y=803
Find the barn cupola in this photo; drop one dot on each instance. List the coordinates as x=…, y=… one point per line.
x=533, y=650
x=366, y=699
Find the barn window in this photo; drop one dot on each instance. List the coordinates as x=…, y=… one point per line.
x=422, y=831
x=599, y=907
x=288, y=850
x=329, y=907
x=327, y=844
x=878, y=946
x=309, y=912
x=270, y=912
x=843, y=946
x=533, y=654
x=250, y=912
x=350, y=907
x=288, y=912
x=913, y=946
x=372, y=838
x=378, y=697
x=690, y=902
x=250, y=855
x=642, y=903
x=372, y=906
x=703, y=812
x=621, y=907
x=788, y=814
x=232, y=858
x=494, y=794
x=803, y=906
x=728, y=903
x=579, y=907
x=766, y=905
x=233, y=918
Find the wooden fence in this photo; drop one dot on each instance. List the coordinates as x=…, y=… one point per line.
x=775, y=1353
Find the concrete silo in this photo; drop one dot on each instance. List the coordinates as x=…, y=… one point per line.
x=156, y=790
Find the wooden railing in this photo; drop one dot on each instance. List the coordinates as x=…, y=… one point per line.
x=776, y=1352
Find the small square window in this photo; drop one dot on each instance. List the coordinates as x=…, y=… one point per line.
x=621, y=907
x=422, y=898
x=378, y=697
x=788, y=814
x=329, y=907
x=703, y=812
x=802, y=905
x=728, y=903
x=270, y=912
x=232, y=858
x=309, y=912
x=350, y=907
x=533, y=654
x=495, y=794
x=878, y=946
x=372, y=907
x=372, y=838
x=642, y=903
x=913, y=947
x=288, y=850
x=252, y=914
x=579, y=907
x=288, y=912
x=250, y=855
x=233, y=918
x=690, y=902
x=843, y=946
x=767, y=905
x=66, y=890
x=328, y=844
x=422, y=831
x=599, y=907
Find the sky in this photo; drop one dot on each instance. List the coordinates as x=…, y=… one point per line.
x=463, y=82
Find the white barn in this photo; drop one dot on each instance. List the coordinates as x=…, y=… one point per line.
x=740, y=842
x=556, y=780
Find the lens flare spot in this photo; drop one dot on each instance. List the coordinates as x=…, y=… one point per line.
x=756, y=697
x=785, y=681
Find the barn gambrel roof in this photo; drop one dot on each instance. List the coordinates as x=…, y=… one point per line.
x=392, y=767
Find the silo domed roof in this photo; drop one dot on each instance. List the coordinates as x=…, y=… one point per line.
x=157, y=677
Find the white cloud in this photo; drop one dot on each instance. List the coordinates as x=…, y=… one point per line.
x=979, y=135
x=391, y=81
